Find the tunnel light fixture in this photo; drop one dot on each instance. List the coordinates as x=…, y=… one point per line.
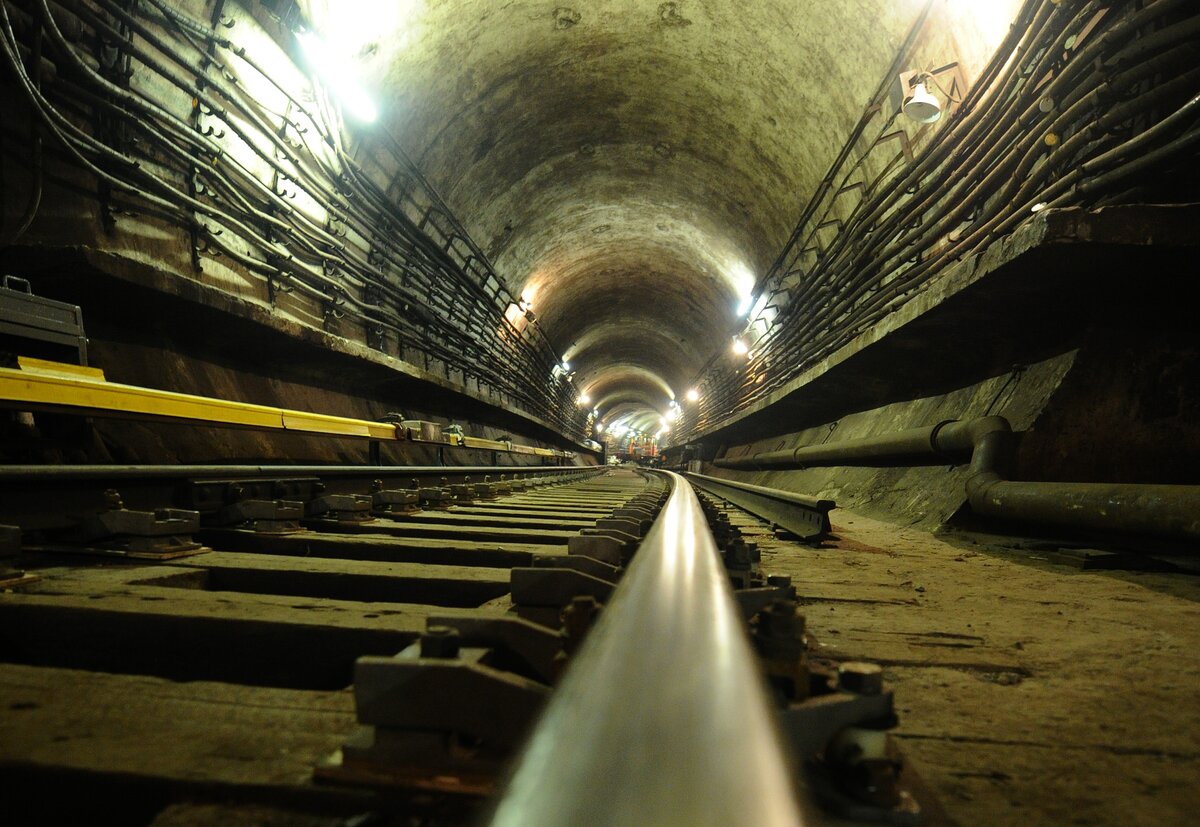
x=599, y=427
x=334, y=72
x=739, y=346
x=670, y=415
x=693, y=395
x=918, y=103
x=921, y=106
x=745, y=304
x=584, y=399
x=743, y=283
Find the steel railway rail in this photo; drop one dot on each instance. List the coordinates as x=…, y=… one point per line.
x=564, y=645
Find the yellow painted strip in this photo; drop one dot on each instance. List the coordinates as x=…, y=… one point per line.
x=486, y=444
x=46, y=390
x=40, y=389
x=322, y=424
x=39, y=384
x=64, y=369
x=383, y=430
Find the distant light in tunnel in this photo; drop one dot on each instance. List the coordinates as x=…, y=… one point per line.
x=740, y=347
x=584, y=399
x=693, y=395
x=599, y=427
x=334, y=71
x=670, y=415
x=743, y=283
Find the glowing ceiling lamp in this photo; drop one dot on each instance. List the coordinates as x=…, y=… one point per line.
x=693, y=395
x=743, y=284
x=334, y=72
x=740, y=347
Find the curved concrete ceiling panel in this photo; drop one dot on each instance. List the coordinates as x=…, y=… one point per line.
x=630, y=166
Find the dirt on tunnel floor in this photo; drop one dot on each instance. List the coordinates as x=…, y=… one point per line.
x=1028, y=692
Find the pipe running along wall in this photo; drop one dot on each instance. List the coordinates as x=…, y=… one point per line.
x=1160, y=510
x=662, y=717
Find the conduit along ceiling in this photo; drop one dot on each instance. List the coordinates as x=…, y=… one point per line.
x=630, y=168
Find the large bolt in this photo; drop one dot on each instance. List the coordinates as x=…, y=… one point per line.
x=112, y=499
x=577, y=618
x=779, y=639
x=440, y=642
x=860, y=678
x=781, y=620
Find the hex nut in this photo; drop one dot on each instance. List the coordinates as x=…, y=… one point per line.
x=860, y=678
x=440, y=642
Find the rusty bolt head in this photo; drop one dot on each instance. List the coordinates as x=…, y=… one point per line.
x=579, y=612
x=781, y=620
x=860, y=678
x=440, y=642
x=112, y=499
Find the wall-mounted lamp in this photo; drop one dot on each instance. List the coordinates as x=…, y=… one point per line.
x=335, y=71
x=693, y=395
x=918, y=103
x=740, y=347
x=921, y=106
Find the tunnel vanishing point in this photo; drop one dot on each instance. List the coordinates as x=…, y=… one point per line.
x=624, y=412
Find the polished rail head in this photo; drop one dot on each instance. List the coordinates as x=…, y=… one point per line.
x=663, y=716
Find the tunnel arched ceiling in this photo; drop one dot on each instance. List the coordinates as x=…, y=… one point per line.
x=631, y=167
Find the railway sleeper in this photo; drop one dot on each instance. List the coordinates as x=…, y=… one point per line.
x=453, y=624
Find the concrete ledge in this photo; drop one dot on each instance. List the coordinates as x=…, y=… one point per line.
x=113, y=289
x=1023, y=300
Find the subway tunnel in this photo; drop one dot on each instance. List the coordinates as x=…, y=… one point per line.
x=620, y=412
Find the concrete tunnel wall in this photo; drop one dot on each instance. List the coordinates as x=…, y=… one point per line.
x=630, y=169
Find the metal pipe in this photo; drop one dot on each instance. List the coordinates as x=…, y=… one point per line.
x=936, y=444
x=1161, y=510
x=662, y=717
